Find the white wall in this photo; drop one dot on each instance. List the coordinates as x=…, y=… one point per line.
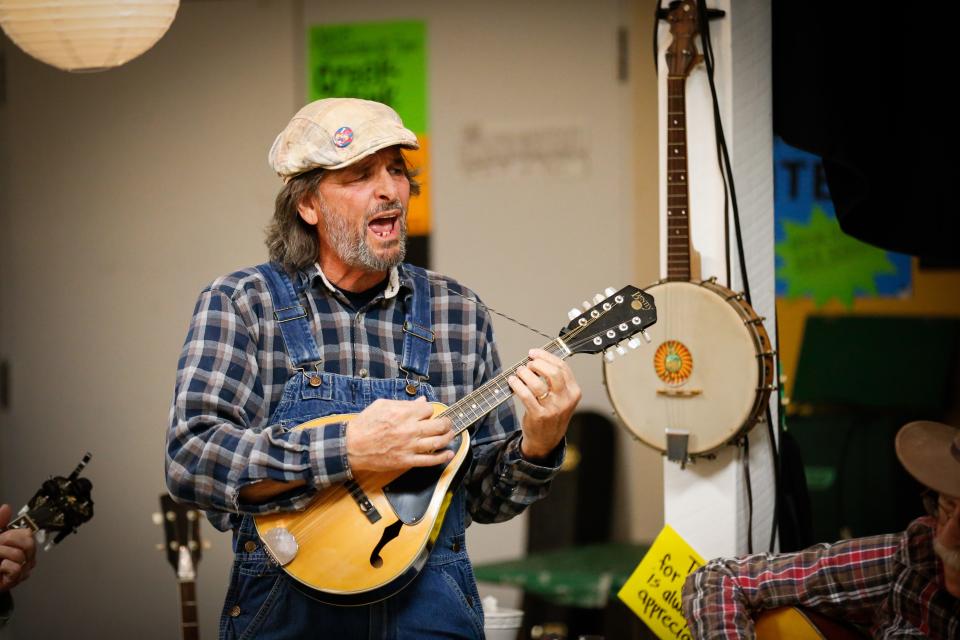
x=123, y=193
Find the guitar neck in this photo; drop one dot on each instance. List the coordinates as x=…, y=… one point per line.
x=678, y=198
x=493, y=393
x=189, y=628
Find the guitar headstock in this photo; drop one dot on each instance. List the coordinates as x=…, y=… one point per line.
x=682, y=54
x=610, y=320
x=181, y=527
x=58, y=508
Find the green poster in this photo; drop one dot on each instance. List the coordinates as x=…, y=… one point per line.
x=382, y=61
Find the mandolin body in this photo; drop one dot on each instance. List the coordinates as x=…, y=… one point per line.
x=344, y=558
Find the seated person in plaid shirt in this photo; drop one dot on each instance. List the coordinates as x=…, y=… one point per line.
x=893, y=586
x=337, y=323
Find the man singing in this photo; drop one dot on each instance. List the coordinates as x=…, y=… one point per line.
x=336, y=323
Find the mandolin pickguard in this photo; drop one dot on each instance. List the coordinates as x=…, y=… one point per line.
x=409, y=495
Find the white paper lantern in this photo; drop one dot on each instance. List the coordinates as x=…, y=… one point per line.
x=86, y=35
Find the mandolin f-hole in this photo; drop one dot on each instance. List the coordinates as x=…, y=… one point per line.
x=389, y=533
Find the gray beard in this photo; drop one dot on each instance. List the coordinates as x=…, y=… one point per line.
x=350, y=244
x=950, y=557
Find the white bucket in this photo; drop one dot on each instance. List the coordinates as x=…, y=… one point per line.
x=500, y=623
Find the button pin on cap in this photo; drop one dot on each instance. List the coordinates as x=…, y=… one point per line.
x=343, y=137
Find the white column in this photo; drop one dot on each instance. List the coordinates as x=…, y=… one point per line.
x=707, y=502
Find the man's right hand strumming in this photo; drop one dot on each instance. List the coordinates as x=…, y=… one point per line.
x=393, y=435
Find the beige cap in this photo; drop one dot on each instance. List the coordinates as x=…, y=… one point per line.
x=930, y=451
x=333, y=133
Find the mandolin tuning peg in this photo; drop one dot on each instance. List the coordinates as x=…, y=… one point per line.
x=573, y=313
x=586, y=305
x=608, y=356
x=157, y=518
x=646, y=336
x=609, y=291
x=597, y=298
x=621, y=350
x=633, y=343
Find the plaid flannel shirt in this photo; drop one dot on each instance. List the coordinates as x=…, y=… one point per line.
x=891, y=585
x=233, y=368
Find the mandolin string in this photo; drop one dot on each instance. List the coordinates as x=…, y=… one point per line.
x=570, y=339
x=304, y=525
x=500, y=378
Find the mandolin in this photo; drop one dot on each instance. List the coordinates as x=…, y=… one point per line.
x=58, y=508
x=364, y=540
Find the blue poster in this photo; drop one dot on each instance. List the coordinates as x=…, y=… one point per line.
x=814, y=258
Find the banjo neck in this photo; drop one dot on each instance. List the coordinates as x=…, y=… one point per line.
x=678, y=195
x=681, y=58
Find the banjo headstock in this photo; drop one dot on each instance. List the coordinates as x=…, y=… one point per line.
x=682, y=55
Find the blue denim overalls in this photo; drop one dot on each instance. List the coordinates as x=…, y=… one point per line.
x=262, y=601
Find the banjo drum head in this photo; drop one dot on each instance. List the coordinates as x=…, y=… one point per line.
x=699, y=373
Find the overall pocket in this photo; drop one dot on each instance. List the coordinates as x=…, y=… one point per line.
x=256, y=584
x=463, y=586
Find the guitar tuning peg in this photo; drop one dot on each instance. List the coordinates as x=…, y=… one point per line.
x=586, y=305
x=160, y=546
x=157, y=518
x=597, y=298
x=646, y=336
x=633, y=343
x=573, y=313
x=206, y=544
x=609, y=291
x=621, y=350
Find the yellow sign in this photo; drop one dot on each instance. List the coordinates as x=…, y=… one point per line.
x=653, y=590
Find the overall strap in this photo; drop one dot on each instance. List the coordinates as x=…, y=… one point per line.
x=291, y=317
x=417, y=334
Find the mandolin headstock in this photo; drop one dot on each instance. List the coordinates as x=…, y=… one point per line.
x=613, y=318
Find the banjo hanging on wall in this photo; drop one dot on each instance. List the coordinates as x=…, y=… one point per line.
x=712, y=369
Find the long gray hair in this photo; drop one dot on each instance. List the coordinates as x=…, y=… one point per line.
x=290, y=240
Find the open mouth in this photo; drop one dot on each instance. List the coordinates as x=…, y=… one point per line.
x=384, y=226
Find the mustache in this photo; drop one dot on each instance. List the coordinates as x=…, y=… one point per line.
x=385, y=206
x=949, y=555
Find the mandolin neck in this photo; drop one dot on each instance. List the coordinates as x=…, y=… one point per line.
x=493, y=393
